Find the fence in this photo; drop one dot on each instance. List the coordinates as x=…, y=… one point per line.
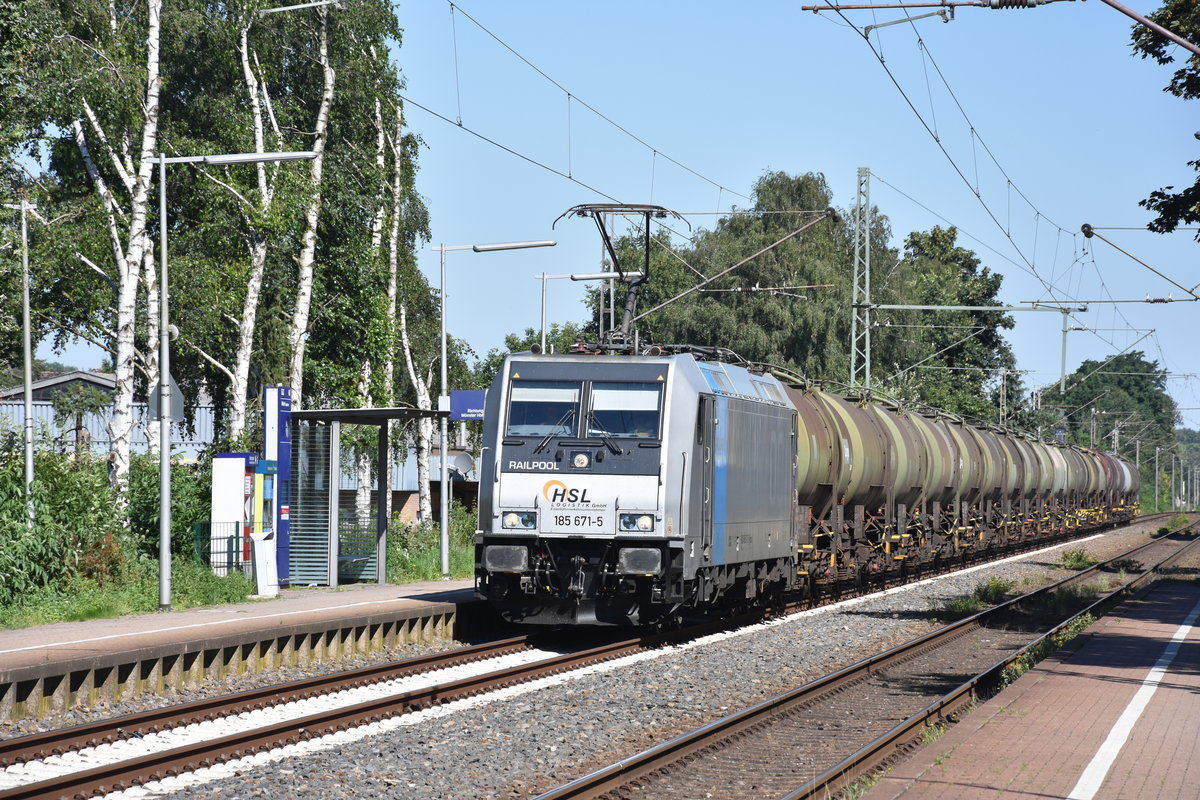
x=223, y=547
x=186, y=443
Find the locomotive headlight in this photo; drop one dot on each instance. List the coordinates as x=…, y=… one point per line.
x=643, y=523
x=519, y=520
x=639, y=561
x=581, y=460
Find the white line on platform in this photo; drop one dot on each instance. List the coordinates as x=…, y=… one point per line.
x=1101, y=763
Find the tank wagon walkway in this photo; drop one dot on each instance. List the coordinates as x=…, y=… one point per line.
x=1118, y=717
x=54, y=667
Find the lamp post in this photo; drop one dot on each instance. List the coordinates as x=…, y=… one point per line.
x=597, y=276
x=444, y=396
x=164, y=348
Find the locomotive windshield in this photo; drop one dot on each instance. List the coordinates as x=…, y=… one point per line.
x=543, y=408
x=624, y=410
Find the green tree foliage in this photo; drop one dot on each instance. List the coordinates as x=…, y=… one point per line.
x=1182, y=17
x=1125, y=393
x=947, y=359
x=13, y=373
x=92, y=59
x=559, y=339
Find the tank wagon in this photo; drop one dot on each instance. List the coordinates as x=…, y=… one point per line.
x=628, y=489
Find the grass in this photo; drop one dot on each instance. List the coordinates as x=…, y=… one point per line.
x=861, y=785
x=137, y=593
x=931, y=733
x=985, y=594
x=1030, y=658
x=1077, y=558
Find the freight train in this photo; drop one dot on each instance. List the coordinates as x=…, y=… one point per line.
x=628, y=489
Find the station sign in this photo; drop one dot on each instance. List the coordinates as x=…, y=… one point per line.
x=467, y=404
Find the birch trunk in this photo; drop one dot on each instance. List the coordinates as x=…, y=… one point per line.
x=150, y=357
x=424, y=424
x=362, y=495
x=377, y=226
x=298, y=334
x=120, y=425
x=240, y=384
x=256, y=243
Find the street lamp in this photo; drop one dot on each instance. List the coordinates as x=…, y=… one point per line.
x=444, y=397
x=597, y=276
x=164, y=348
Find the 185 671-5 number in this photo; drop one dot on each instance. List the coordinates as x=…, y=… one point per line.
x=578, y=521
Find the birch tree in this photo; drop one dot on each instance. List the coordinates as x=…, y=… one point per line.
x=298, y=335
x=280, y=273
x=109, y=100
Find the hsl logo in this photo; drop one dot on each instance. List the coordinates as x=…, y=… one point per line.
x=557, y=492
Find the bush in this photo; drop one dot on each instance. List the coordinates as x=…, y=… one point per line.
x=414, y=551
x=191, y=492
x=78, y=561
x=76, y=531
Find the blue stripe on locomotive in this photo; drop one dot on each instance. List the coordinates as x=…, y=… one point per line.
x=720, y=478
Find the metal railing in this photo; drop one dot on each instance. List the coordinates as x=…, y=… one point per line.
x=223, y=547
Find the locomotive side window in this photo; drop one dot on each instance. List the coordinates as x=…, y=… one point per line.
x=625, y=410
x=543, y=408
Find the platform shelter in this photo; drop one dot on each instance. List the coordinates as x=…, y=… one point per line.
x=327, y=548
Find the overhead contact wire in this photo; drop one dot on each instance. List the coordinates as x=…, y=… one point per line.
x=623, y=130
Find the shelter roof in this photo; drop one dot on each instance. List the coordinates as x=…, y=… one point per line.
x=366, y=416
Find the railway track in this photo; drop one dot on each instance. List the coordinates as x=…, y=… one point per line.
x=109, y=755
x=815, y=741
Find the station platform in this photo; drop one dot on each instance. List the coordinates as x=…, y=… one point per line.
x=58, y=666
x=1116, y=717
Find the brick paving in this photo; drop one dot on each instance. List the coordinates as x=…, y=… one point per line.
x=1037, y=738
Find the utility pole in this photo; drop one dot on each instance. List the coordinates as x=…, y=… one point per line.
x=1156, y=480
x=860, y=299
x=25, y=207
x=1173, y=495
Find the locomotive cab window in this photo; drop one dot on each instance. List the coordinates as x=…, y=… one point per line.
x=544, y=408
x=626, y=410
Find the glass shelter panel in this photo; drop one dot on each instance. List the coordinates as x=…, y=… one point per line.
x=311, y=471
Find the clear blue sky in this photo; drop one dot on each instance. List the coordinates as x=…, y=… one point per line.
x=1078, y=125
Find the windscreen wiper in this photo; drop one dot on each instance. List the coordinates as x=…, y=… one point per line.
x=553, y=431
x=604, y=434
